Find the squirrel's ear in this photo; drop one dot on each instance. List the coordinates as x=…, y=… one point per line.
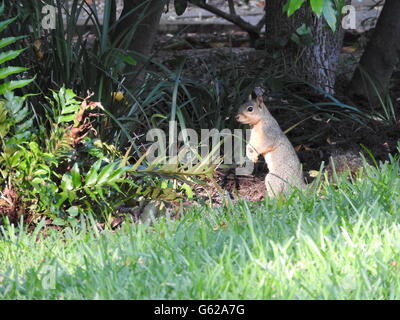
x=259, y=101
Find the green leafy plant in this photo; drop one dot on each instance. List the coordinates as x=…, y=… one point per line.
x=65, y=172
x=6, y=56
x=67, y=56
x=15, y=119
x=380, y=101
x=73, y=59
x=56, y=163
x=331, y=10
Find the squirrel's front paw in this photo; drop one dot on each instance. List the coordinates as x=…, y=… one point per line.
x=252, y=154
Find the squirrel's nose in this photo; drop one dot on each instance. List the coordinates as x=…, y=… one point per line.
x=237, y=117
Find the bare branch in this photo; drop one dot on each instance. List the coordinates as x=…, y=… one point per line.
x=235, y=19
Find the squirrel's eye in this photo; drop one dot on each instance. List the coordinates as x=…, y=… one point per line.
x=250, y=109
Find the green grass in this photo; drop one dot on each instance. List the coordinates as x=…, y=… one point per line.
x=343, y=243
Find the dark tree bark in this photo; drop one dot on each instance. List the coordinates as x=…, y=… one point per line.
x=143, y=18
x=316, y=61
x=381, y=55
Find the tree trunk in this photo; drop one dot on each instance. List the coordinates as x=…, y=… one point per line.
x=316, y=59
x=143, y=24
x=381, y=55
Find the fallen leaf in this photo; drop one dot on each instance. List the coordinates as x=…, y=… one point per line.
x=349, y=49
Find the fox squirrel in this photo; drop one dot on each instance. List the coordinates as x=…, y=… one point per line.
x=267, y=139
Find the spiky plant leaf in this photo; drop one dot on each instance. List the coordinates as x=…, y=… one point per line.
x=14, y=84
x=10, y=40
x=6, y=23
x=10, y=55
x=5, y=72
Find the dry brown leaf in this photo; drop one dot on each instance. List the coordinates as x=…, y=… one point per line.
x=37, y=45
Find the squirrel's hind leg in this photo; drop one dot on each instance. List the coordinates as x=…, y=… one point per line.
x=274, y=185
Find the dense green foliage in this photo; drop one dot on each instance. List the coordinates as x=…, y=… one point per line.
x=64, y=171
x=55, y=164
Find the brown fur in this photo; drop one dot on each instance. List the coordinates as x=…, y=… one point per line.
x=267, y=139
